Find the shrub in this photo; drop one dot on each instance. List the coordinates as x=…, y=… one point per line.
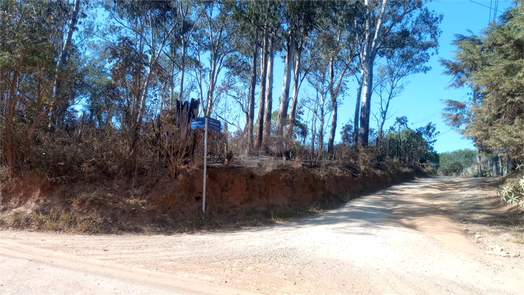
x=513, y=193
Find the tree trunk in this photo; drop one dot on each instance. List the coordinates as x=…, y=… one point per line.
x=269, y=91
x=334, y=106
x=145, y=88
x=314, y=132
x=320, y=144
x=211, y=86
x=383, y=118
x=182, y=71
x=365, y=110
x=251, y=112
x=9, y=116
x=185, y=39
x=371, y=45
x=261, y=105
x=357, y=113
x=284, y=99
x=399, y=147
x=479, y=166
x=41, y=94
x=296, y=86
x=61, y=61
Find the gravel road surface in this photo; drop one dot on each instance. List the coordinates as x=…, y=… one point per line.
x=402, y=240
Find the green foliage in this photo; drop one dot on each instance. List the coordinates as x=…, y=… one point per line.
x=454, y=163
x=434, y=159
x=492, y=65
x=346, y=133
x=513, y=193
x=410, y=146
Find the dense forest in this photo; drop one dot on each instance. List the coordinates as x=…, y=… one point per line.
x=92, y=89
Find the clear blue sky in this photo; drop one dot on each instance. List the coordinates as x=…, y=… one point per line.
x=421, y=102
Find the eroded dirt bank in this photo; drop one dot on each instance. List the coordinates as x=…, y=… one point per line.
x=413, y=238
x=163, y=202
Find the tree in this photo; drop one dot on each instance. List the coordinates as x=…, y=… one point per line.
x=319, y=81
x=297, y=21
x=187, y=27
x=143, y=29
x=263, y=78
x=303, y=22
x=346, y=134
x=491, y=65
x=401, y=123
x=62, y=58
x=457, y=114
x=340, y=50
x=455, y=162
x=390, y=26
x=251, y=22
x=214, y=39
x=29, y=34
x=391, y=77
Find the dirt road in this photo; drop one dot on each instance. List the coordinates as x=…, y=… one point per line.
x=403, y=240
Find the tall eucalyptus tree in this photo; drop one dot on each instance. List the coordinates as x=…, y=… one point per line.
x=391, y=25
x=298, y=20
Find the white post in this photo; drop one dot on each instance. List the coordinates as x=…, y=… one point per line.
x=205, y=171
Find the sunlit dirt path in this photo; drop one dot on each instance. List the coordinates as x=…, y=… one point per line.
x=402, y=240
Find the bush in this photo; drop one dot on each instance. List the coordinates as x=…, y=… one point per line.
x=513, y=193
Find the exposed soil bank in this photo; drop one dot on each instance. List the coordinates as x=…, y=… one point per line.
x=164, y=202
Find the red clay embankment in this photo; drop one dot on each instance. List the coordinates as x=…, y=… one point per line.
x=166, y=202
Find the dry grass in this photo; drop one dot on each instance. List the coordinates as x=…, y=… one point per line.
x=62, y=221
x=519, y=236
x=114, y=206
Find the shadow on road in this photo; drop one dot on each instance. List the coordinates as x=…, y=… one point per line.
x=423, y=205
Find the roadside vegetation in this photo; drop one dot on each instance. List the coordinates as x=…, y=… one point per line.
x=491, y=65
x=98, y=96
x=104, y=90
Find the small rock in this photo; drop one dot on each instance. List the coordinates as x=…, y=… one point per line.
x=478, y=236
x=497, y=253
x=497, y=249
